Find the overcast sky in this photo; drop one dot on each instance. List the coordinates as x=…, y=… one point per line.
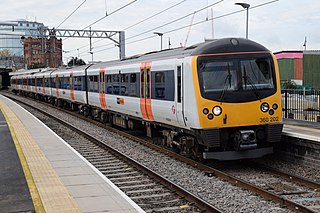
x=281, y=25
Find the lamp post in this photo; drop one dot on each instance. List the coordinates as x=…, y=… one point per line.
x=245, y=6
x=159, y=34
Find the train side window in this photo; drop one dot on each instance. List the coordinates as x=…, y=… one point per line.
x=83, y=83
x=163, y=88
x=75, y=83
x=124, y=85
x=38, y=82
x=90, y=83
x=115, y=84
x=47, y=82
x=53, y=82
x=133, y=85
x=95, y=84
x=159, y=85
x=109, y=84
x=67, y=83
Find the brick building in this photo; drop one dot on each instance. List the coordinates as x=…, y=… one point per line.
x=42, y=52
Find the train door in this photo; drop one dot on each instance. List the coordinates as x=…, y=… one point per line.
x=145, y=91
x=72, y=86
x=102, y=89
x=179, y=93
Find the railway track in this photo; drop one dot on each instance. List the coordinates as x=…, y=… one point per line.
x=293, y=204
x=151, y=191
x=289, y=186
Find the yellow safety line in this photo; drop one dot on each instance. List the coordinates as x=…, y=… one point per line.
x=32, y=186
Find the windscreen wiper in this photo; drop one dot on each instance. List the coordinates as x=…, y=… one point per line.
x=225, y=87
x=248, y=79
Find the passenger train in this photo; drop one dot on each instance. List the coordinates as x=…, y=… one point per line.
x=219, y=99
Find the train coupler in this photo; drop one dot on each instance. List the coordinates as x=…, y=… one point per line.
x=245, y=140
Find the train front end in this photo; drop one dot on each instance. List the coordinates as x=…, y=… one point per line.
x=238, y=99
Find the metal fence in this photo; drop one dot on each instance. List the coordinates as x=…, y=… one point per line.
x=301, y=104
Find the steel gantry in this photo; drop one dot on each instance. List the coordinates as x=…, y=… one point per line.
x=70, y=33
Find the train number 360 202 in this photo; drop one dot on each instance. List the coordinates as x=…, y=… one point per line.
x=269, y=119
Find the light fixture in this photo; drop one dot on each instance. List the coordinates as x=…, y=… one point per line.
x=217, y=110
x=264, y=107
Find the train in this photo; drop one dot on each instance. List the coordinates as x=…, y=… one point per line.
x=218, y=99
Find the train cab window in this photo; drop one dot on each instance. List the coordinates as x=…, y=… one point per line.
x=236, y=79
x=256, y=73
x=219, y=74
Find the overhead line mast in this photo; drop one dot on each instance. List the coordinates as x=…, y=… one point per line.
x=69, y=33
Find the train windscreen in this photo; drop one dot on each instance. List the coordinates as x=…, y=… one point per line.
x=236, y=78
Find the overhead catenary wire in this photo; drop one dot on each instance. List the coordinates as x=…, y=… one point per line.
x=154, y=15
x=139, y=22
x=71, y=14
x=124, y=6
x=107, y=15
x=178, y=19
x=168, y=23
x=194, y=24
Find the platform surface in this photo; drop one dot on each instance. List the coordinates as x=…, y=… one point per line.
x=14, y=193
x=62, y=180
x=302, y=129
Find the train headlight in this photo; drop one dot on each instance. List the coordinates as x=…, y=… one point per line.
x=264, y=107
x=217, y=110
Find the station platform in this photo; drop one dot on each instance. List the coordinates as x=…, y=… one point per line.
x=302, y=129
x=40, y=172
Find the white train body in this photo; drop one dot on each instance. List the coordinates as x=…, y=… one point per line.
x=219, y=99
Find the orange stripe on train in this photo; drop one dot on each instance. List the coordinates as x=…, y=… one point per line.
x=145, y=102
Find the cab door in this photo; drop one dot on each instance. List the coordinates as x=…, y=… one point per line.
x=102, y=88
x=145, y=91
x=179, y=101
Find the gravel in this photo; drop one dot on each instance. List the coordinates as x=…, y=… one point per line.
x=220, y=193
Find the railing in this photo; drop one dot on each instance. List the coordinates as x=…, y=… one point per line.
x=301, y=104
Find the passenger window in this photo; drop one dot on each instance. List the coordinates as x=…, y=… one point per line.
x=160, y=85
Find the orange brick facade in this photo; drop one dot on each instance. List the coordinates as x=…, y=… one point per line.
x=42, y=52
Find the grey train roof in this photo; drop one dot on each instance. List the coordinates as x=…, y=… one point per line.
x=225, y=45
